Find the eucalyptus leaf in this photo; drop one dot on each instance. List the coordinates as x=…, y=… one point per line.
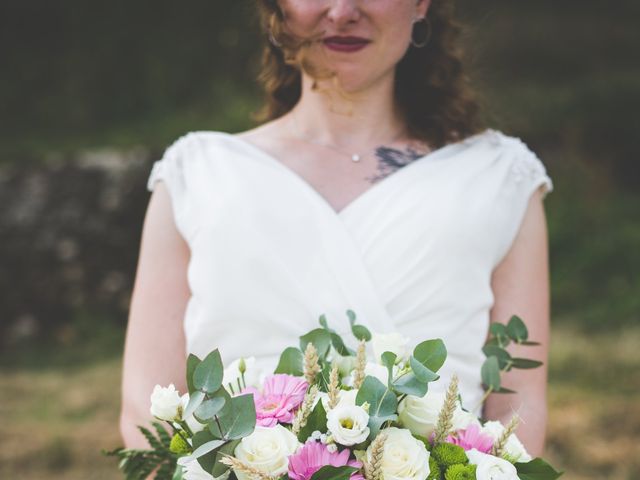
x=339, y=346
x=431, y=353
x=361, y=332
x=323, y=321
x=409, y=384
x=207, y=376
x=525, y=363
x=237, y=419
x=195, y=399
x=329, y=472
x=389, y=360
x=536, y=469
x=192, y=363
x=421, y=372
x=352, y=317
x=291, y=362
x=207, y=447
x=382, y=403
x=490, y=373
x=202, y=437
x=317, y=420
x=208, y=409
x=320, y=338
x=517, y=330
x=227, y=449
x=504, y=358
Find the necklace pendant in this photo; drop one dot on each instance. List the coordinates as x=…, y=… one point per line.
x=355, y=157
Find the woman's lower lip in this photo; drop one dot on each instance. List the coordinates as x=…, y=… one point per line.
x=345, y=47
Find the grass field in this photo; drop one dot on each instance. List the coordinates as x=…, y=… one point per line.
x=56, y=420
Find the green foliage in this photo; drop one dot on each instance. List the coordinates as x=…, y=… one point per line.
x=382, y=403
x=447, y=454
x=236, y=420
x=427, y=358
x=359, y=331
x=460, y=472
x=290, y=362
x=536, y=469
x=317, y=420
x=179, y=445
x=435, y=472
x=208, y=374
x=320, y=338
x=329, y=472
x=498, y=359
x=137, y=464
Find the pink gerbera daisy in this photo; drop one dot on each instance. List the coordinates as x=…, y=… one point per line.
x=470, y=438
x=314, y=455
x=281, y=395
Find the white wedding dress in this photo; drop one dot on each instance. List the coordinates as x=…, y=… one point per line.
x=412, y=254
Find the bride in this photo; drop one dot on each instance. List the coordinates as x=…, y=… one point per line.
x=371, y=185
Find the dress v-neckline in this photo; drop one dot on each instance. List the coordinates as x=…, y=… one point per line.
x=383, y=183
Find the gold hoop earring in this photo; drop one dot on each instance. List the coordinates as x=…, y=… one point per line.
x=273, y=40
x=423, y=28
x=272, y=37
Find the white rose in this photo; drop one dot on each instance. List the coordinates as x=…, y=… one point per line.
x=403, y=456
x=192, y=423
x=490, y=467
x=513, y=449
x=348, y=424
x=420, y=414
x=166, y=403
x=267, y=449
x=192, y=470
x=252, y=375
x=390, y=342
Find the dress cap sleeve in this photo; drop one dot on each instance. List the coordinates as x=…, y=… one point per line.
x=172, y=170
x=523, y=174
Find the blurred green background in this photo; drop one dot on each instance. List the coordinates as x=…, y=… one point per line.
x=92, y=92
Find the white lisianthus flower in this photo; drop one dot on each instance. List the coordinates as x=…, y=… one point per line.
x=192, y=423
x=267, y=449
x=404, y=457
x=390, y=342
x=420, y=414
x=166, y=403
x=513, y=449
x=252, y=374
x=348, y=424
x=490, y=467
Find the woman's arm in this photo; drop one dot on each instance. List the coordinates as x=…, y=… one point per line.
x=154, y=348
x=521, y=287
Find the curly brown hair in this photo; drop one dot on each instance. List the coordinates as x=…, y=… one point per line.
x=432, y=90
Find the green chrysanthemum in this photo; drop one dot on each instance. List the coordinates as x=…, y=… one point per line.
x=460, y=472
x=178, y=445
x=434, y=469
x=449, y=454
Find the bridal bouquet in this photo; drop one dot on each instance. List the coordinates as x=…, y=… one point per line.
x=329, y=412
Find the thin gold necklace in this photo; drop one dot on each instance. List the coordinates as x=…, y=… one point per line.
x=355, y=156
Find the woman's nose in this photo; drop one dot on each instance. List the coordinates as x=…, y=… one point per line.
x=342, y=12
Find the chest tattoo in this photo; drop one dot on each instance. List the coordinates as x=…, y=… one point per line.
x=392, y=159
